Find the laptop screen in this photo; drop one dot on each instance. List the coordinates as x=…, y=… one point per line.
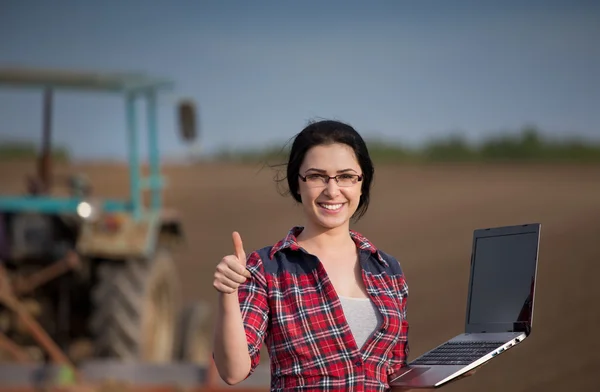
x=502, y=283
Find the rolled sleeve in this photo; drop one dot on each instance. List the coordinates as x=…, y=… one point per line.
x=254, y=308
x=401, y=349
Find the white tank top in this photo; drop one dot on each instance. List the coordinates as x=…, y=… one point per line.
x=362, y=316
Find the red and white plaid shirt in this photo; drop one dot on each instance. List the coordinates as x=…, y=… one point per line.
x=291, y=306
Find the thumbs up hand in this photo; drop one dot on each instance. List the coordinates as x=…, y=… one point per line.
x=231, y=270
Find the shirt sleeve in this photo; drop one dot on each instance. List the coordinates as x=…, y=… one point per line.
x=254, y=308
x=401, y=349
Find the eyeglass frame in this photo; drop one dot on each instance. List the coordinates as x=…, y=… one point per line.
x=327, y=178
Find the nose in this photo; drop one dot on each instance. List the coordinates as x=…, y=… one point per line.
x=332, y=188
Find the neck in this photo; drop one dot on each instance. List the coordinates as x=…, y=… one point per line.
x=322, y=238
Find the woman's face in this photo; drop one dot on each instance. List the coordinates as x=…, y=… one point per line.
x=332, y=204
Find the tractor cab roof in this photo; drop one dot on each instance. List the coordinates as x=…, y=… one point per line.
x=122, y=82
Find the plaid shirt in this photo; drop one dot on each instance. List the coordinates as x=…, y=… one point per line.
x=291, y=306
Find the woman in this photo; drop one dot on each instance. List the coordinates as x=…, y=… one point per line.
x=329, y=305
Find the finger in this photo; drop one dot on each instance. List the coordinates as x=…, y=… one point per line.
x=239, y=247
x=235, y=276
x=221, y=279
x=230, y=284
x=239, y=269
x=223, y=288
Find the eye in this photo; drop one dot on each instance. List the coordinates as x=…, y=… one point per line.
x=346, y=176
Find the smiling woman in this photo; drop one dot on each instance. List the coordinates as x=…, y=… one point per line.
x=329, y=204
x=328, y=304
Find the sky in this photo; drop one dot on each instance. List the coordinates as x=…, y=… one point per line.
x=406, y=71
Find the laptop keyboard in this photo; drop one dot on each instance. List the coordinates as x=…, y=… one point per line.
x=457, y=353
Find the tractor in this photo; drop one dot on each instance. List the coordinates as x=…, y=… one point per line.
x=85, y=277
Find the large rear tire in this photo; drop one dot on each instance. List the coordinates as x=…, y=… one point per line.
x=136, y=304
x=194, y=343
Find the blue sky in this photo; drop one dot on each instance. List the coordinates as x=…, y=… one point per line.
x=404, y=70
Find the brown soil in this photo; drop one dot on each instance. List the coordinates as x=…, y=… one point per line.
x=425, y=217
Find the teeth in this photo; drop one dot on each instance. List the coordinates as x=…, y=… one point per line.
x=331, y=206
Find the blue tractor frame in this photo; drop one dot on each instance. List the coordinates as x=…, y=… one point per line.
x=132, y=87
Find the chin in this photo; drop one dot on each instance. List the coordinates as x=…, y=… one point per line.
x=330, y=222
x=332, y=225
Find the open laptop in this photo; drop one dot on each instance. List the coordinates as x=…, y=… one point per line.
x=499, y=307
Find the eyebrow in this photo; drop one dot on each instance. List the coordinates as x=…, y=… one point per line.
x=324, y=171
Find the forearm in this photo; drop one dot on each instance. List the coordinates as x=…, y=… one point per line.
x=230, y=345
x=398, y=361
x=400, y=350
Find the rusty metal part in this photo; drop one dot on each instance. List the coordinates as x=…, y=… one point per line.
x=5, y=286
x=13, y=349
x=37, y=332
x=45, y=157
x=32, y=307
x=35, y=329
x=24, y=285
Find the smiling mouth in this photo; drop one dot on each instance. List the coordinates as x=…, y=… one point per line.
x=331, y=207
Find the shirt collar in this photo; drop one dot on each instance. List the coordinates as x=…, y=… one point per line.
x=290, y=241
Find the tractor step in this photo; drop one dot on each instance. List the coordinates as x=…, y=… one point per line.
x=177, y=374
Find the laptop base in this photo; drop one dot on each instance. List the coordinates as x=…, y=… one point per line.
x=434, y=368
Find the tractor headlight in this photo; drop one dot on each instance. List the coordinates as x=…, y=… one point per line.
x=88, y=210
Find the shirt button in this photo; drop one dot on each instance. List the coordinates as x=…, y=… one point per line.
x=358, y=363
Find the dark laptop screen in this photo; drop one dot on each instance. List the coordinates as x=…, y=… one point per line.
x=503, y=280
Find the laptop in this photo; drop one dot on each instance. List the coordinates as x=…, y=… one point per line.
x=499, y=307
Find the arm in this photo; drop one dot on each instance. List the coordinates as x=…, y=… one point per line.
x=241, y=321
x=254, y=310
x=401, y=349
x=230, y=347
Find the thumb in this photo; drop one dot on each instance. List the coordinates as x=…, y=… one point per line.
x=239, y=248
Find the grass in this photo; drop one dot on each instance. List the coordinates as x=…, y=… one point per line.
x=10, y=150
x=526, y=146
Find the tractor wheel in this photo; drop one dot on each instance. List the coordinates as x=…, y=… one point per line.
x=193, y=338
x=135, y=309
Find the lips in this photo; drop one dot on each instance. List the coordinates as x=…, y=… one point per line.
x=333, y=207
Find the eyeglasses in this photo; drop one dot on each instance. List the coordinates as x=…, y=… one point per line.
x=320, y=180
